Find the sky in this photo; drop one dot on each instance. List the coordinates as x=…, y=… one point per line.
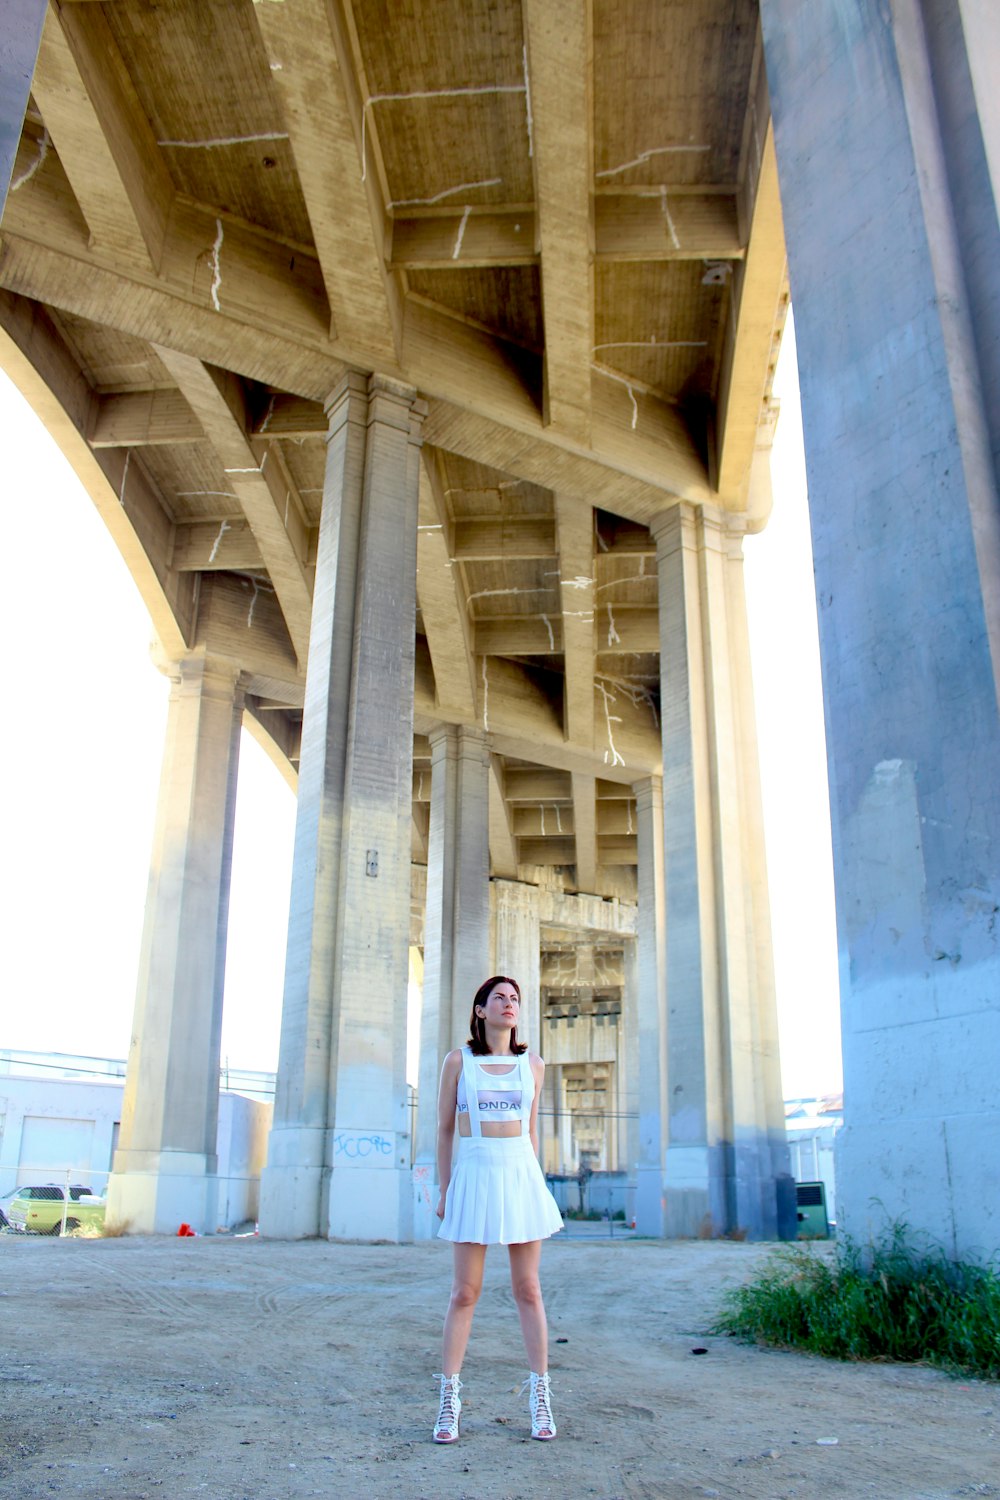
x=86, y=712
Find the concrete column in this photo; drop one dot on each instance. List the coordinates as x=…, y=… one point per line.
x=773, y=1166
x=338, y=1159
x=165, y=1165
x=630, y=1053
x=726, y=1164
x=650, y=1011
x=20, y=33
x=517, y=950
x=567, y=1158
x=893, y=239
x=456, y=932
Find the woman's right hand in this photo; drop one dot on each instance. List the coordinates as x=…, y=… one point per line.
x=440, y=1207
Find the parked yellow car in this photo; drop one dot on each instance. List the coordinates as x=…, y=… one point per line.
x=39, y=1210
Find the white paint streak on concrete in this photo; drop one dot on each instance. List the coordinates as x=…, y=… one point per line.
x=636, y=692
x=611, y=756
x=668, y=218
x=548, y=626
x=493, y=593
x=645, y=156
x=628, y=807
x=44, y=142
x=651, y=343
x=462, y=187
x=227, y=140
x=527, y=102
x=486, y=698
x=612, y=632
x=253, y=602
x=460, y=236
x=218, y=542
x=581, y=581
x=217, y=266
x=616, y=583
x=558, y=812
x=541, y=811
x=621, y=380
x=121, y=492
x=268, y=415
x=187, y=494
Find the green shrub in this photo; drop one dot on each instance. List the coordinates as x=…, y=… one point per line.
x=888, y=1300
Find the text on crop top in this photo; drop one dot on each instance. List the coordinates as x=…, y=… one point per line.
x=500, y=1096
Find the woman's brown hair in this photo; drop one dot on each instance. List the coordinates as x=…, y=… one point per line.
x=477, y=1026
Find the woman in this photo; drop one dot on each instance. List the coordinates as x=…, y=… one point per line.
x=497, y=1195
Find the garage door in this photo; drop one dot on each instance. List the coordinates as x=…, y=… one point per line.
x=50, y=1148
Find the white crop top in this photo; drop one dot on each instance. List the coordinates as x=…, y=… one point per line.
x=499, y=1096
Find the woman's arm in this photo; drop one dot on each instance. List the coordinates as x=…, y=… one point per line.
x=447, y=1100
x=538, y=1073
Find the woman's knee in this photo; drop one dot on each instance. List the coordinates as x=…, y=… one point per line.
x=465, y=1294
x=527, y=1291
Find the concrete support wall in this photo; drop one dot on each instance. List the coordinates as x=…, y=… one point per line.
x=630, y=1059
x=516, y=950
x=890, y=214
x=726, y=1162
x=650, y=1010
x=165, y=1165
x=20, y=33
x=339, y=1157
x=456, y=932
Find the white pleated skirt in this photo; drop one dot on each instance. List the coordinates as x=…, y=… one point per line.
x=497, y=1194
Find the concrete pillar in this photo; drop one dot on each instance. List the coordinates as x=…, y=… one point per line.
x=20, y=33
x=517, y=950
x=165, y=1165
x=338, y=1158
x=567, y=1155
x=650, y=1011
x=456, y=932
x=629, y=1057
x=726, y=1160
x=891, y=222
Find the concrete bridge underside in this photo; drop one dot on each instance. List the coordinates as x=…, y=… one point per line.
x=420, y=366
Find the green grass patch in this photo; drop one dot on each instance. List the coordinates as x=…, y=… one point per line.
x=888, y=1301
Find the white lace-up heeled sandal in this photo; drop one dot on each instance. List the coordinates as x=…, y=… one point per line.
x=446, y=1427
x=543, y=1426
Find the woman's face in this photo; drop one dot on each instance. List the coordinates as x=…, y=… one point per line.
x=502, y=1008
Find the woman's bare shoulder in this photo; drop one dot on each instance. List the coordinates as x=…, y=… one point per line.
x=453, y=1062
x=537, y=1062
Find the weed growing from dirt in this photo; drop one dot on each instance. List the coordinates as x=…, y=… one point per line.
x=888, y=1300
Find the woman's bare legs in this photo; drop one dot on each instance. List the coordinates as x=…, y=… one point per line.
x=466, y=1285
x=524, y=1263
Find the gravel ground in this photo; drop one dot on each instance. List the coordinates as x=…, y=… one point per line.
x=244, y=1369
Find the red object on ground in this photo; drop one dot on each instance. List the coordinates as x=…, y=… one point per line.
x=185, y=1231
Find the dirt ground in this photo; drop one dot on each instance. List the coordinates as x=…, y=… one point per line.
x=241, y=1369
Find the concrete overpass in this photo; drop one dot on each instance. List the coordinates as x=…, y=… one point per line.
x=420, y=366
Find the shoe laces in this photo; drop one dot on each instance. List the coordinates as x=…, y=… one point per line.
x=448, y=1415
x=538, y=1400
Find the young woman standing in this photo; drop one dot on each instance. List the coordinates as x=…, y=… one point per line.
x=497, y=1194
